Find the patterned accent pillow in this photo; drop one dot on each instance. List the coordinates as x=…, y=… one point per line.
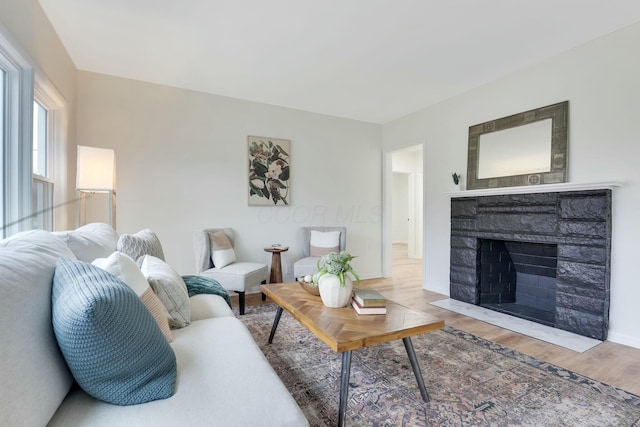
x=144, y=242
x=324, y=242
x=222, y=253
x=126, y=269
x=169, y=287
x=108, y=338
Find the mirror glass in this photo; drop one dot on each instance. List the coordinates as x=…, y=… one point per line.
x=527, y=148
x=521, y=150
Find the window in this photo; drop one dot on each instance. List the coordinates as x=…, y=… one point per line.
x=40, y=139
x=42, y=189
x=49, y=165
x=15, y=155
x=32, y=125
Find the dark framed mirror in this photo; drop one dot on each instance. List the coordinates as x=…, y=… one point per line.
x=527, y=148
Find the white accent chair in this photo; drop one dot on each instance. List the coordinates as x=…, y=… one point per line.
x=237, y=276
x=308, y=264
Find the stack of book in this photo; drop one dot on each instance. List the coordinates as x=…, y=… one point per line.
x=368, y=301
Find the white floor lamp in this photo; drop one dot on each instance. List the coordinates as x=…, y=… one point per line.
x=96, y=173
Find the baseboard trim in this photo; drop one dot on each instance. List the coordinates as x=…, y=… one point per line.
x=623, y=339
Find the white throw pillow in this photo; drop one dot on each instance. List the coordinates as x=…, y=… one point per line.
x=222, y=253
x=91, y=241
x=126, y=269
x=324, y=242
x=170, y=288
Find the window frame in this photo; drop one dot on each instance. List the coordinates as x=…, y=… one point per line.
x=17, y=144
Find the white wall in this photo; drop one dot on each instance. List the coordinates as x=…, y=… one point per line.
x=600, y=80
x=182, y=165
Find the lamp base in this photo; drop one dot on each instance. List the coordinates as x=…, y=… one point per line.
x=81, y=206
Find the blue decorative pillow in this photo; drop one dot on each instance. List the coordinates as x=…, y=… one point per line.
x=109, y=339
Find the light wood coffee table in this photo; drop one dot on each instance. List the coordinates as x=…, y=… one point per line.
x=343, y=330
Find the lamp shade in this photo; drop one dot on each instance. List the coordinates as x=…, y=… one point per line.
x=96, y=169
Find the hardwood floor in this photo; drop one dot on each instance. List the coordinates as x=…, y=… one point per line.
x=611, y=363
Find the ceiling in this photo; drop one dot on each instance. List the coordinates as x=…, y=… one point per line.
x=369, y=60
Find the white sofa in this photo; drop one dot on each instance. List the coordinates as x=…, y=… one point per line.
x=223, y=379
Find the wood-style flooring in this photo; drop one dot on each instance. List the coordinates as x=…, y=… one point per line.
x=611, y=363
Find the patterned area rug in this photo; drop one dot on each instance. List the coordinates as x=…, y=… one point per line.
x=471, y=382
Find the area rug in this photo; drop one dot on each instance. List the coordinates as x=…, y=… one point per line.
x=471, y=382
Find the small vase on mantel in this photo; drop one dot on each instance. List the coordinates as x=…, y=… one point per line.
x=332, y=293
x=456, y=181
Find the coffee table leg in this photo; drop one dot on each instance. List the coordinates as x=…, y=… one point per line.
x=408, y=345
x=275, y=324
x=344, y=387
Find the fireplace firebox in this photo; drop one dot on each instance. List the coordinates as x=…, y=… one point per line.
x=543, y=257
x=519, y=278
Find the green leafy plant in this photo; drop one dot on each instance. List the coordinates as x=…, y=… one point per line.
x=456, y=178
x=336, y=263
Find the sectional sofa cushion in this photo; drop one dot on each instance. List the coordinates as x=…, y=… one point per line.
x=207, y=306
x=34, y=378
x=108, y=338
x=91, y=241
x=126, y=269
x=170, y=288
x=225, y=381
x=324, y=242
x=144, y=242
x=222, y=253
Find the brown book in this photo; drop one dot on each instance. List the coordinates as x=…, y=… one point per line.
x=369, y=298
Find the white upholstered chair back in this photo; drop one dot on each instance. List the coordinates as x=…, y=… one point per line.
x=303, y=238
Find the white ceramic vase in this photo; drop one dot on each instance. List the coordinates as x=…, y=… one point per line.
x=332, y=293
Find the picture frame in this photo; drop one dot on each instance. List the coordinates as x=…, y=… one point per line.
x=269, y=171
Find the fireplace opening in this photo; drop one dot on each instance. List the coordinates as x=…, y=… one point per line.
x=518, y=278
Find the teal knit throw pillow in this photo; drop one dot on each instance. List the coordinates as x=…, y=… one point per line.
x=110, y=341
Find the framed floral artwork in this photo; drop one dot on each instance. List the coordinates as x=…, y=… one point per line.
x=269, y=164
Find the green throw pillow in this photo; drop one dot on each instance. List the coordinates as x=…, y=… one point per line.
x=111, y=343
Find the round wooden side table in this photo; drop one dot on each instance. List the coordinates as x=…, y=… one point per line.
x=276, y=264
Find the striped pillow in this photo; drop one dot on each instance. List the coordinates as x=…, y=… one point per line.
x=170, y=288
x=222, y=253
x=110, y=341
x=324, y=242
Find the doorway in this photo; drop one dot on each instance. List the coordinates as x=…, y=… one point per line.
x=403, y=200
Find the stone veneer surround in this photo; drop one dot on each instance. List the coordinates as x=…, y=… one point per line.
x=579, y=222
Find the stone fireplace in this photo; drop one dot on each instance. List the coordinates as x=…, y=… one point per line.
x=543, y=257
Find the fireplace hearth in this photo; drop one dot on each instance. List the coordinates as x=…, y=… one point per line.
x=543, y=257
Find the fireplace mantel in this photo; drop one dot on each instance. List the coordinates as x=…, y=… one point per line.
x=544, y=188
